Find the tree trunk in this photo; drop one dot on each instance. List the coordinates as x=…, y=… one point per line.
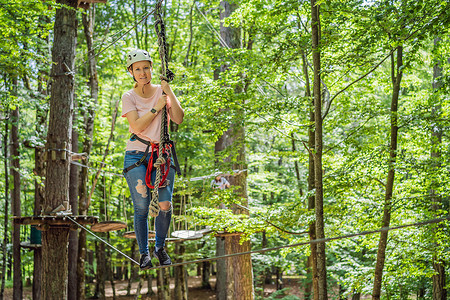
x=181, y=289
x=318, y=145
x=15, y=199
x=221, y=275
x=134, y=272
x=6, y=218
x=206, y=270
x=39, y=187
x=163, y=282
x=139, y=287
x=239, y=268
x=229, y=265
x=88, y=115
x=73, y=234
x=396, y=73
x=279, y=281
x=55, y=240
x=101, y=270
x=150, y=291
x=312, y=277
x=439, y=278
x=81, y=259
x=111, y=271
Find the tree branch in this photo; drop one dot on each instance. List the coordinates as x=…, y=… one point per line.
x=355, y=81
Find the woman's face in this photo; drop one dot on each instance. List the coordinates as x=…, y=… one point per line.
x=142, y=71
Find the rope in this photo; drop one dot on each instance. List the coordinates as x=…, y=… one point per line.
x=122, y=35
x=168, y=76
x=258, y=86
x=117, y=250
x=270, y=223
x=316, y=241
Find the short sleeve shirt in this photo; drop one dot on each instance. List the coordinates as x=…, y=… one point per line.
x=217, y=184
x=132, y=101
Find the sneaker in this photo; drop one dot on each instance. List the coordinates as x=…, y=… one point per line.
x=161, y=255
x=146, y=262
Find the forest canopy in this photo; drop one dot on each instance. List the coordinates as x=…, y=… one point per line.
x=335, y=113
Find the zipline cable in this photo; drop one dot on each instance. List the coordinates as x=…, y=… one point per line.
x=114, y=248
x=316, y=241
x=126, y=32
x=258, y=86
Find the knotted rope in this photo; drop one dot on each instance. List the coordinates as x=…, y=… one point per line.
x=168, y=76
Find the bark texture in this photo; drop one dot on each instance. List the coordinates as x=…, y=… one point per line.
x=239, y=273
x=39, y=187
x=73, y=234
x=55, y=240
x=181, y=289
x=88, y=116
x=15, y=199
x=163, y=281
x=318, y=145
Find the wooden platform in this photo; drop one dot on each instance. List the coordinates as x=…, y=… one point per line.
x=30, y=246
x=187, y=234
x=132, y=234
x=107, y=226
x=45, y=222
x=171, y=240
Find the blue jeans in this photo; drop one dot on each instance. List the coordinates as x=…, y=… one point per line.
x=141, y=196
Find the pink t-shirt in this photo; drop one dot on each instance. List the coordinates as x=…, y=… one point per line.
x=132, y=101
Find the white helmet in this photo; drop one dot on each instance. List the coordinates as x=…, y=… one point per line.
x=137, y=55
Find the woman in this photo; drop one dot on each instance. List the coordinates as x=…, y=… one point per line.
x=142, y=107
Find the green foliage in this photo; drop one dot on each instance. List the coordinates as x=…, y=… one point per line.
x=357, y=37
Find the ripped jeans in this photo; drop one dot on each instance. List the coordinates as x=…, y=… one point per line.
x=141, y=196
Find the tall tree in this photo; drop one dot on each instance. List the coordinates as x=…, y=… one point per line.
x=318, y=145
x=312, y=258
x=73, y=234
x=55, y=240
x=439, y=286
x=6, y=195
x=239, y=268
x=396, y=78
x=88, y=116
x=39, y=152
x=39, y=188
x=15, y=199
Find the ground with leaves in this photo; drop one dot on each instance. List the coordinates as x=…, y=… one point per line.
x=291, y=287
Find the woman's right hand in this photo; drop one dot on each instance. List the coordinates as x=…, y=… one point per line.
x=162, y=101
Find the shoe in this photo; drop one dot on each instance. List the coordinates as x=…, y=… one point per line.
x=146, y=262
x=161, y=255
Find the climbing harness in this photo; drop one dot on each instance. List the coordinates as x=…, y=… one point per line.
x=168, y=154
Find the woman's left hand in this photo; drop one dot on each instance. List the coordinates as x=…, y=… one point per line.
x=166, y=87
